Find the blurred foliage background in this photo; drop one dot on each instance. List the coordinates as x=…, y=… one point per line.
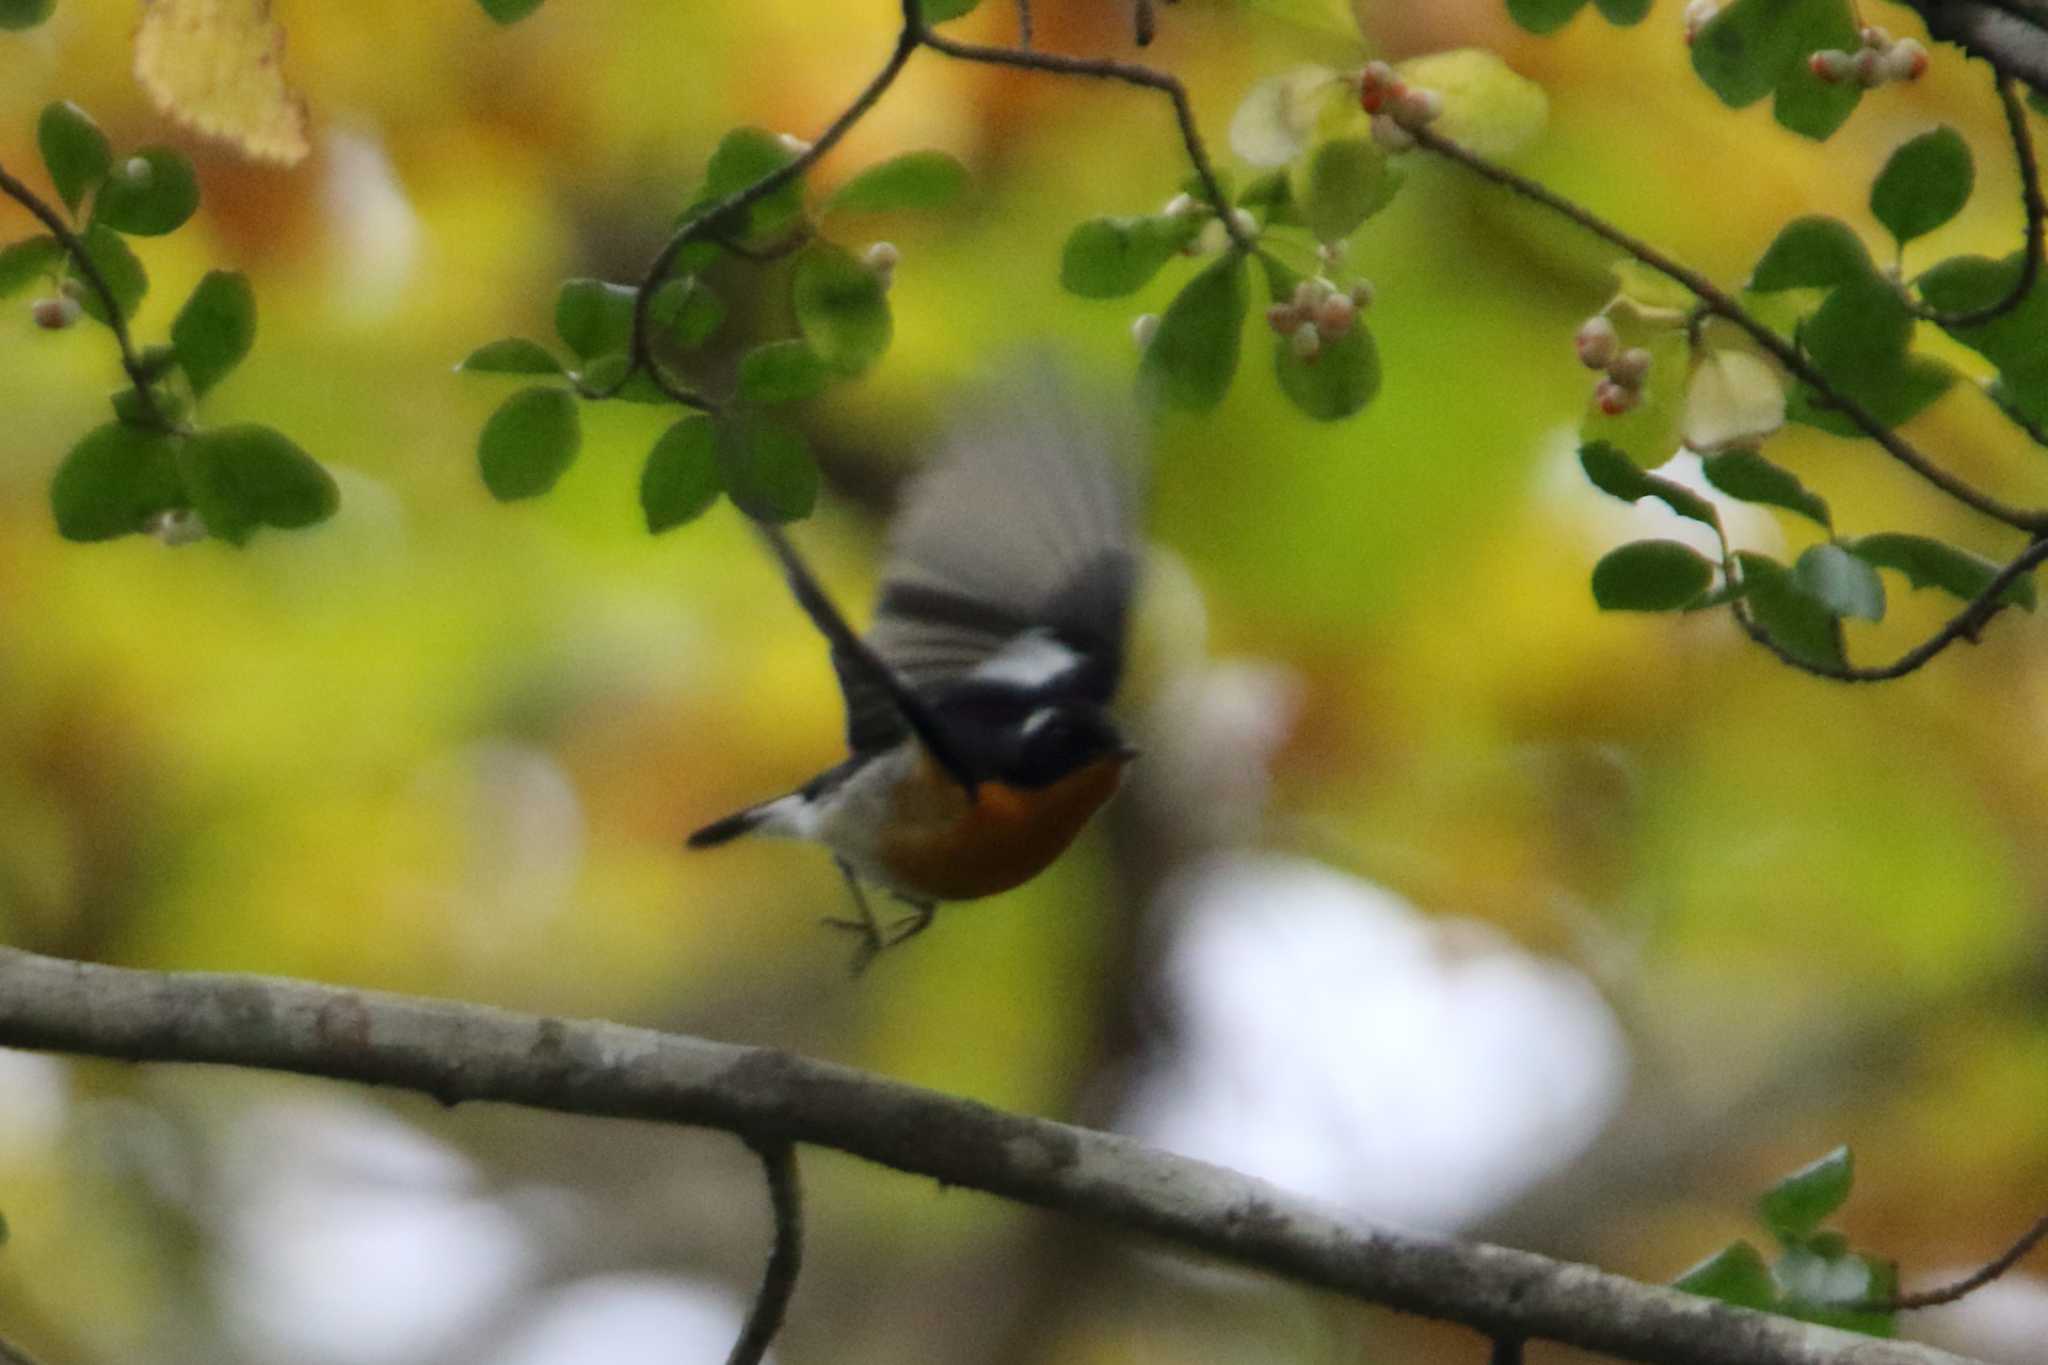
x=1439, y=893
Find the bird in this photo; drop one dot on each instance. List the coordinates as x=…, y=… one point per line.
x=978, y=703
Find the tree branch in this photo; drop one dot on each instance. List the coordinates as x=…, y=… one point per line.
x=2006, y=34
x=457, y=1053
x=1976, y=1279
x=2031, y=203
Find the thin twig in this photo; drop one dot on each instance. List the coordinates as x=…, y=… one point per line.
x=785, y=1258
x=116, y=323
x=10, y=1354
x=1506, y=1351
x=1024, y=23
x=1129, y=73
x=1966, y=624
x=1722, y=304
x=2036, y=209
x=1144, y=23
x=1976, y=1279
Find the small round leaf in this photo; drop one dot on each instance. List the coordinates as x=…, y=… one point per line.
x=243, y=477
x=1193, y=355
x=782, y=372
x=513, y=355
x=118, y=266
x=23, y=263
x=1812, y=253
x=113, y=480
x=594, y=318
x=20, y=14
x=686, y=311
x=215, y=328
x=75, y=151
x=767, y=469
x=1347, y=180
x=509, y=11
x=1924, y=184
x=1795, y=1207
x=915, y=180
x=149, y=194
x=1337, y=381
x=528, y=442
x=841, y=306
x=682, y=476
x=1105, y=258
x=1650, y=575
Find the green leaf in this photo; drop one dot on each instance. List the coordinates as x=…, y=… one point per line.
x=1623, y=12
x=149, y=194
x=23, y=263
x=1796, y=1206
x=1858, y=339
x=1839, y=581
x=1615, y=474
x=1105, y=258
x=528, y=443
x=939, y=11
x=509, y=11
x=594, y=318
x=1347, y=180
x=75, y=151
x=767, y=468
x=1193, y=355
x=1275, y=119
x=1803, y=627
x=20, y=14
x=215, y=328
x=1747, y=475
x=512, y=355
x=2016, y=341
x=1924, y=184
x=681, y=478
x=118, y=266
x=1929, y=563
x=1543, y=16
x=744, y=156
x=114, y=480
x=1338, y=381
x=1812, y=253
x=1735, y=1274
x=841, y=307
x=127, y=405
x=1756, y=47
x=686, y=311
x=782, y=372
x=243, y=477
x=1650, y=575
x=915, y=180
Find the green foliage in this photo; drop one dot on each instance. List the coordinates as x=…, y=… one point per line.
x=2016, y=341
x=243, y=477
x=113, y=481
x=1614, y=473
x=744, y=156
x=1755, y=48
x=915, y=180
x=1334, y=383
x=1839, y=581
x=1347, y=180
x=509, y=11
x=1735, y=1274
x=767, y=468
x=682, y=477
x=782, y=372
x=74, y=150
x=1930, y=563
x=841, y=307
x=215, y=329
x=1193, y=356
x=1747, y=475
x=1924, y=184
x=1802, y=625
x=1650, y=575
x=938, y=11
x=1105, y=258
x=119, y=267
x=1812, y=252
x=1547, y=16
x=1858, y=339
x=151, y=193
x=513, y=355
x=594, y=318
x=528, y=443
x=686, y=312
x=21, y=14
x=23, y=263
x=1795, y=1207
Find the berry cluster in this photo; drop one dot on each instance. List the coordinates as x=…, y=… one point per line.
x=1599, y=347
x=1397, y=108
x=1880, y=61
x=1319, y=313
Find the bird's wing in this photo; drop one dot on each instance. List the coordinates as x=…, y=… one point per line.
x=1013, y=557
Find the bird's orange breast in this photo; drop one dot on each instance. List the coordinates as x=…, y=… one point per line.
x=938, y=845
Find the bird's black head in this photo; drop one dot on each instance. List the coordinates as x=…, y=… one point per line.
x=1056, y=740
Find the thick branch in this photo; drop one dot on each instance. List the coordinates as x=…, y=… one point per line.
x=2009, y=34
x=778, y=1280
x=458, y=1052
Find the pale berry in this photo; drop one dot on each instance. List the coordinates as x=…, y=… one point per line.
x=1306, y=343
x=1335, y=316
x=55, y=313
x=1832, y=65
x=1283, y=318
x=1144, y=327
x=1614, y=399
x=1597, y=342
x=1390, y=135
x=1631, y=368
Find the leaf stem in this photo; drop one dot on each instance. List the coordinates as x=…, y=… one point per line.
x=2036, y=208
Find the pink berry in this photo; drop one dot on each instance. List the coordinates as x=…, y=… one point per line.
x=1306, y=343
x=1630, y=368
x=54, y=314
x=1612, y=398
x=1335, y=316
x=1283, y=318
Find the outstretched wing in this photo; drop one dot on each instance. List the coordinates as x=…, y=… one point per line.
x=1014, y=557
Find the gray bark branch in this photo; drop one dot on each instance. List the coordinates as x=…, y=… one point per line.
x=460, y=1053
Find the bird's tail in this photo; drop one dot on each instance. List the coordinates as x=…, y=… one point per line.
x=780, y=816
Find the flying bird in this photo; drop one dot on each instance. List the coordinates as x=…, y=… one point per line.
x=977, y=705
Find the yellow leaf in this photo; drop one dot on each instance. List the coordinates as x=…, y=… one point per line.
x=217, y=66
x=1486, y=106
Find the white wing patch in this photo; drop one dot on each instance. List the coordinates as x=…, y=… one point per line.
x=1031, y=660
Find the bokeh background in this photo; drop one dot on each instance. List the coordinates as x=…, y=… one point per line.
x=1438, y=893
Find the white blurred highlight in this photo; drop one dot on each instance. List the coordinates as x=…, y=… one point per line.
x=38, y=1099
x=2004, y=1323
x=376, y=233
x=1607, y=522
x=1338, y=1042
x=629, y=1320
